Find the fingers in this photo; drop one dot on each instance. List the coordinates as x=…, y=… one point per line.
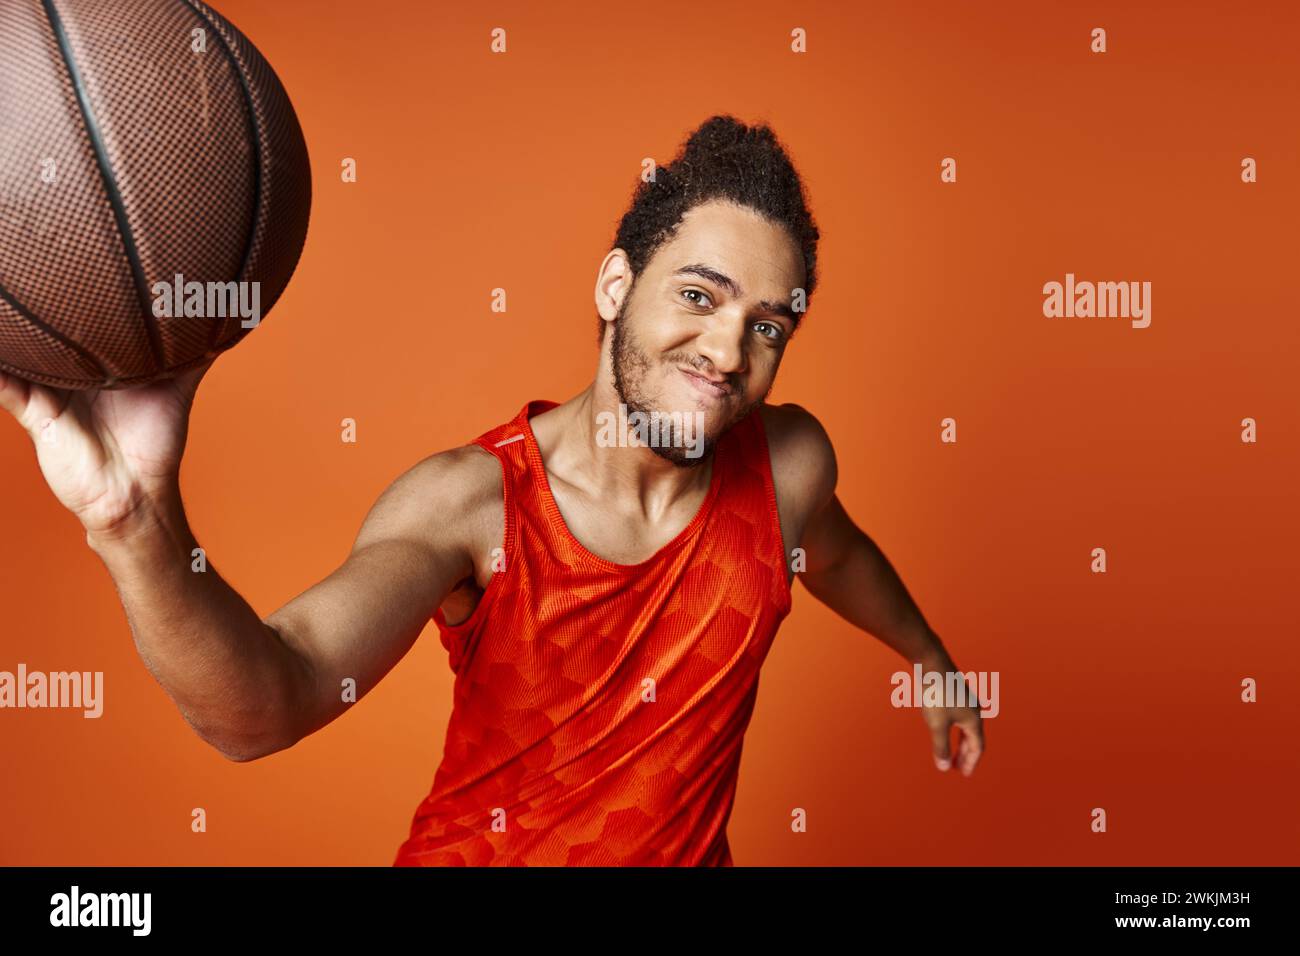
x=939, y=744
x=970, y=746
x=187, y=382
x=14, y=393
x=34, y=406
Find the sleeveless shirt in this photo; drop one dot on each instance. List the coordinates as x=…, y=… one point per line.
x=599, y=709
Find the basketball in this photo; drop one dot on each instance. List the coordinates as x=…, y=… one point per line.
x=154, y=189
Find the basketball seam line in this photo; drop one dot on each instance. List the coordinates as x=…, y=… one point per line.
x=110, y=185
x=33, y=377
x=256, y=142
x=54, y=333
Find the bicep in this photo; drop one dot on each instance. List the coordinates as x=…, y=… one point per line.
x=362, y=619
x=828, y=539
x=810, y=472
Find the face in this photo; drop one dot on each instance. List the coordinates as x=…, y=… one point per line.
x=713, y=305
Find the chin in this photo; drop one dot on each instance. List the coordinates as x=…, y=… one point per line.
x=681, y=456
x=704, y=426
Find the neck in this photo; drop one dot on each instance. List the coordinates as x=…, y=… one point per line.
x=579, y=452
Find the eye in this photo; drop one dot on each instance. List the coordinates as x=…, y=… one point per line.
x=703, y=295
x=777, y=333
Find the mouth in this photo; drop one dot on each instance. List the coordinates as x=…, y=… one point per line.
x=705, y=387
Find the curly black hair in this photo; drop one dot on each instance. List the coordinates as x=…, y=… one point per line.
x=722, y=159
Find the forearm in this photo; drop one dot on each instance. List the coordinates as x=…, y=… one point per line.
x=865, y=590
x=232, y=677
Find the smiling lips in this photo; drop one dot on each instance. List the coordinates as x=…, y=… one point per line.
x=706, y=387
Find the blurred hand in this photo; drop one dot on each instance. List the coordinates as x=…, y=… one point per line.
x=105, y=453
x=967, y=719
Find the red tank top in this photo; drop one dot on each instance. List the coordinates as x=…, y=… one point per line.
x=600, y=708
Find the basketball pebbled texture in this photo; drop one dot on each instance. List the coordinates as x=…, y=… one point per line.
x=165, y=161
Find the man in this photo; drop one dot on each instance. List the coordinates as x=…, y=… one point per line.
x=606, y=601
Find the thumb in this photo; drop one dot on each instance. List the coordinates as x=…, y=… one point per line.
x=939, y=742
x=32, y=406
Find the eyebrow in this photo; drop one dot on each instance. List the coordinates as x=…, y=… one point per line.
x=732, y=287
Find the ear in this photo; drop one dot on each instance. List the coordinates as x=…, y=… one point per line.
x=614, y=284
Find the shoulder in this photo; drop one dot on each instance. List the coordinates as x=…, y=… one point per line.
x=458, y=476
x=452, y=496
x=798, y=442
x=803, y=458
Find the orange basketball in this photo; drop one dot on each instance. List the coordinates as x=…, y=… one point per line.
x=154, y=189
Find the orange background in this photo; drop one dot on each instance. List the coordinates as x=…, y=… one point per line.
x=476, y=171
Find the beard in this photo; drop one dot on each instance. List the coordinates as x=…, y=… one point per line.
x=631, y=368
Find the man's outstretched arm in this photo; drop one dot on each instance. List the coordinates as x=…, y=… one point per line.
x=249, y=687
x=848, y=572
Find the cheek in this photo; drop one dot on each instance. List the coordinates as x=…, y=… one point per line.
x=762, y=357
x=762, y=373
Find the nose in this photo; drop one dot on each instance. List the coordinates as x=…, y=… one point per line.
x=724, y=346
